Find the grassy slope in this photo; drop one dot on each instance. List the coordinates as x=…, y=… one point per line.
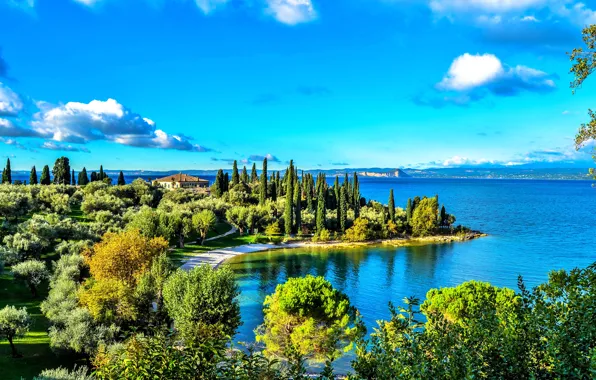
x=35, y=346
x=179, y=254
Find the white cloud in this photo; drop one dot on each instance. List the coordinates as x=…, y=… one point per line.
x=80, y=123
x=468, y=71
x=49, y=145
x=10, y=129
x=487, y=73
x=291, y=12
x=10, y=103
x=208, y=6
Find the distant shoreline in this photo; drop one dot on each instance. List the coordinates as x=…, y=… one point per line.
x=217, y=257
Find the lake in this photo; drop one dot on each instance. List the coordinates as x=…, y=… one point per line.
x=534, y=227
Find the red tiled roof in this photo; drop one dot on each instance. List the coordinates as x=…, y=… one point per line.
x=180, y=177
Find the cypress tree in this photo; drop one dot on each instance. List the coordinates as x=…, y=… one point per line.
x=289, y=209
x=219, y=184
x=336, y=190
x=45, y=176
x=409, y=211
x=235, y=176
x=8, y=172
x=321, y=209
x=343, y=205
x=101, y=175
x=83, y=179
x=391, y=206
x=253, y=174
x=415, y=203
x=244, y=177
x=356, y=196
x=298, y=206
x=73, y=180
x=61, y=171
x=226, y=183
x=273, y=187
x=308, y=190
x=278, y=185
x=121, y=181
x=93, y=176
x=263, y=192
x=443, y=217
x=33, y=176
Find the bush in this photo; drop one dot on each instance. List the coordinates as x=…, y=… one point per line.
x=32, y=272
x=322, y=236
x=60, y=373
x=359, y=232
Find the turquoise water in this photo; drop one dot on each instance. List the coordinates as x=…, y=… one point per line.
x=534, y=227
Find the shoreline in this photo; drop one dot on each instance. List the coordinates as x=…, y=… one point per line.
x=217, y=257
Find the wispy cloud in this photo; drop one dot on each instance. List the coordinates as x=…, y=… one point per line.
x=269, y=157
x=291, y=12
x=340, y=164
x=49, y=145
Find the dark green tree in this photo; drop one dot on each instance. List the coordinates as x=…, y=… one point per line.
x=263, y=189
x=93, y=176
x=83, y=179
x=253, y=174
x=218, y=187
x=101, y=175
x=61, y=171
x=235, y=176
x=391, y=206
x=443, y=217
x=244, y=177
x=409, y=211
x=33, y=176
x=45, y=176
x=121, y=181
x=321, y=210
x=73, y=180
x=7, y=174
x=298, y=206
x=343, y=206
x=278, y=185
x=273, y=187
x=289, y=209
x=356, y=193
x=226, y=183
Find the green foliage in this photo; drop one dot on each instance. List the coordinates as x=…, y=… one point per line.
x=7, y=173
x=359, y=232
x=121, y=181
x=391, y=206
x=60, y=373
x=322, y=236
x=202, y=302
x=263, y=184
x=343, y=206
x=83, y=178
x=425, y=216
x=33, y=176
x=13, y=323
x=45, y=176
x=203, y=222
x=321, y=210
x=15, y=201
x=309, y=317
x=289, y=205
x=32, y=273
x=61, y=171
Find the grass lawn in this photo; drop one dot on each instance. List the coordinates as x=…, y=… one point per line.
x=179, y=254
x=35, y=346
x=77, y=214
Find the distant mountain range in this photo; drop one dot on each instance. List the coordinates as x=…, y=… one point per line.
x=471, y=172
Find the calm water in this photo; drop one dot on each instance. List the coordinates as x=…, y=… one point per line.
x=534, y=227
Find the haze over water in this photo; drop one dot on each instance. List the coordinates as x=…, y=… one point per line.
x=534, y=227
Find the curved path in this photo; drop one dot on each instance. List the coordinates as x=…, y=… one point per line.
x=232, y=231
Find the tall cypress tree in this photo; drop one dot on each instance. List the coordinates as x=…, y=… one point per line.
x=391, y=206
x=298, y=206
x=409, y=211
x=61, y=171
x=443, y=217
x=289, y=209
x=101, y=175
x=253, y=174
x=336, y=190
x=263, y=187
x=33, y=176
x=343, y=205
x=93, y=177
x=226, y=183
x=8, y=172
x=73, y=180
x=45, y=176
x=321, y=209
x=83, y=179
x=278, y=185
x=244, y=177
x=273, y=187
x=235, y=176
x=356, y=196
x=308, y=190
x=219, y=184
x=121, y=181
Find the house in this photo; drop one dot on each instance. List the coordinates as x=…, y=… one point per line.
x=182, y=181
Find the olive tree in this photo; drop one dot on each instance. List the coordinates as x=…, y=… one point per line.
x=13, y=323
x=203, y=222
x=32, y=272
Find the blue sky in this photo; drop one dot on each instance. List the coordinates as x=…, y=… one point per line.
x=185, y=84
